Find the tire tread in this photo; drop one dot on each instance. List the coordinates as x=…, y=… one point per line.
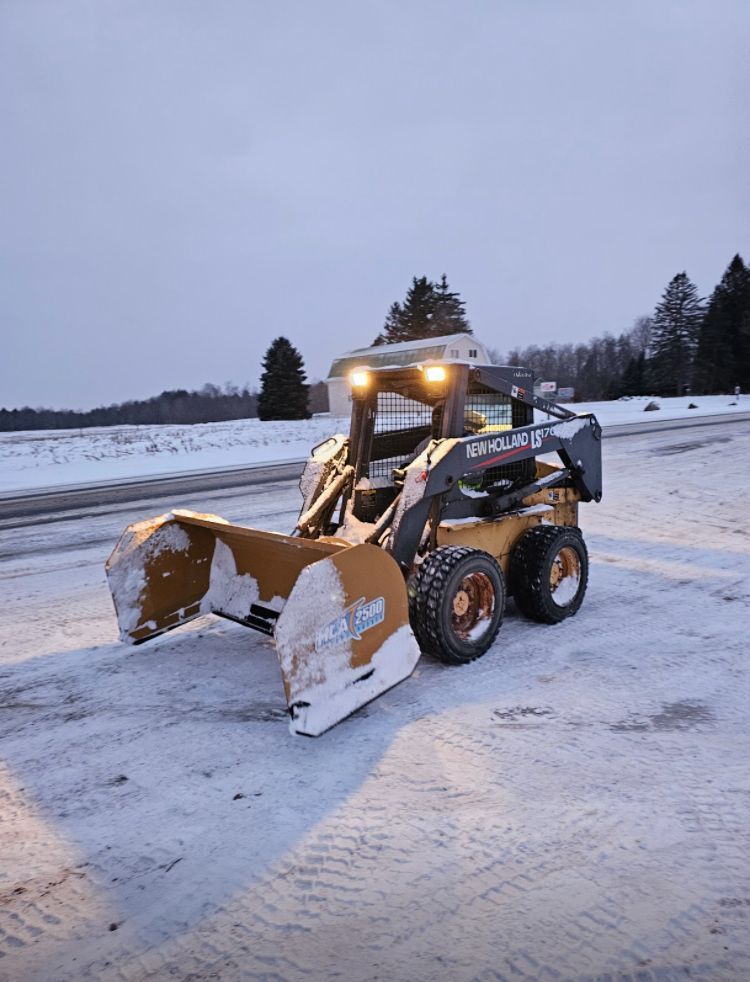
x=529, y=574
x=427, y=594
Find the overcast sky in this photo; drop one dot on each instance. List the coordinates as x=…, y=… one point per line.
x=183, y=181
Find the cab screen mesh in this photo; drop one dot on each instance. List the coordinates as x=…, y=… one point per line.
x=487, y=411
x=401, y=425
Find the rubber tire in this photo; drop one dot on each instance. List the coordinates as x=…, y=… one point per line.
x=530, y=567
x=431, y=593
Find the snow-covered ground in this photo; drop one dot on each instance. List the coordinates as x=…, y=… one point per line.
x=47, y=458
x=574, y=805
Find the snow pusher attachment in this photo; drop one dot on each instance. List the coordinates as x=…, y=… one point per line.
x=413, y=529
x=338, y=612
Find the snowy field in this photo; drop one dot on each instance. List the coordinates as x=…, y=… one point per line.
x=574, y=805
x=46, y=458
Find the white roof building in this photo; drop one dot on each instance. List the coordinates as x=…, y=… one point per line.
x=460, y=347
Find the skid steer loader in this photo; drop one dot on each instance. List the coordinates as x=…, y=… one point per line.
x=412, y=530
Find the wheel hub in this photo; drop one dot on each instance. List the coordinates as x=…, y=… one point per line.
x=564, y=576
x=473, y=606
x=461, y=603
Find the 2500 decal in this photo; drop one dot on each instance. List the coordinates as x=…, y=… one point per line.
x=352, y=622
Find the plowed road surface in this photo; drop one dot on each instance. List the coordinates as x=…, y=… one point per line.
x=574, y=805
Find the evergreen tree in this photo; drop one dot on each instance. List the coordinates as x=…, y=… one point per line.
x=284, y=391
x=392, y=326
x=677, y=321
x=429, y=310
x=723, y=357
x=449, y=315
x=633, y=381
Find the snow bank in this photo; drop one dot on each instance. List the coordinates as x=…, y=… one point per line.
x=631, y=410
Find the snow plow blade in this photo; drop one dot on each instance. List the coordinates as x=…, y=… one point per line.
x=339, y=613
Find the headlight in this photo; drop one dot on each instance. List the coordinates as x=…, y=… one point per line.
x=434, y=373
x=359, y=380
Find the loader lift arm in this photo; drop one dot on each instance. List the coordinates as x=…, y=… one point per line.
x=577, y=440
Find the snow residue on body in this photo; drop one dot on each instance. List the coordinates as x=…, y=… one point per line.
x=126, y=570
x=318, y=464
x=373, y=483
x=567, y=589
x=170, y=537
x=318, y=671
x=230, y=592
x=571, y=427
x=344, y=690
x=353, y=529
x=227, y=591
x=316, y=599
x=207, y=516
x=415, y=478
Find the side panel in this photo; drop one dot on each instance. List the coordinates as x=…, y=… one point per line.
x=495, y=537
x=498, y=537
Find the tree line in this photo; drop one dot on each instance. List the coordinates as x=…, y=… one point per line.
x=210, y=404
x=687, y=345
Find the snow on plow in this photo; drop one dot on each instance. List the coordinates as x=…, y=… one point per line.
x=338, y=612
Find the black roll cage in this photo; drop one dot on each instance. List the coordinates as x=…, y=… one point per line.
x=451, y=455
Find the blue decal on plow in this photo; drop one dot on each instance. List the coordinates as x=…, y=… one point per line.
x=352, y=623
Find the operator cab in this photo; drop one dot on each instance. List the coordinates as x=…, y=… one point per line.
x=397, y=412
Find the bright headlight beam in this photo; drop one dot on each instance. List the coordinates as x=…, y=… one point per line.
x=434, y=373
x=359, y=380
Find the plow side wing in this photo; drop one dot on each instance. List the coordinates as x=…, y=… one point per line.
x=339, y=613
x=168, y=570
x=344, y=637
